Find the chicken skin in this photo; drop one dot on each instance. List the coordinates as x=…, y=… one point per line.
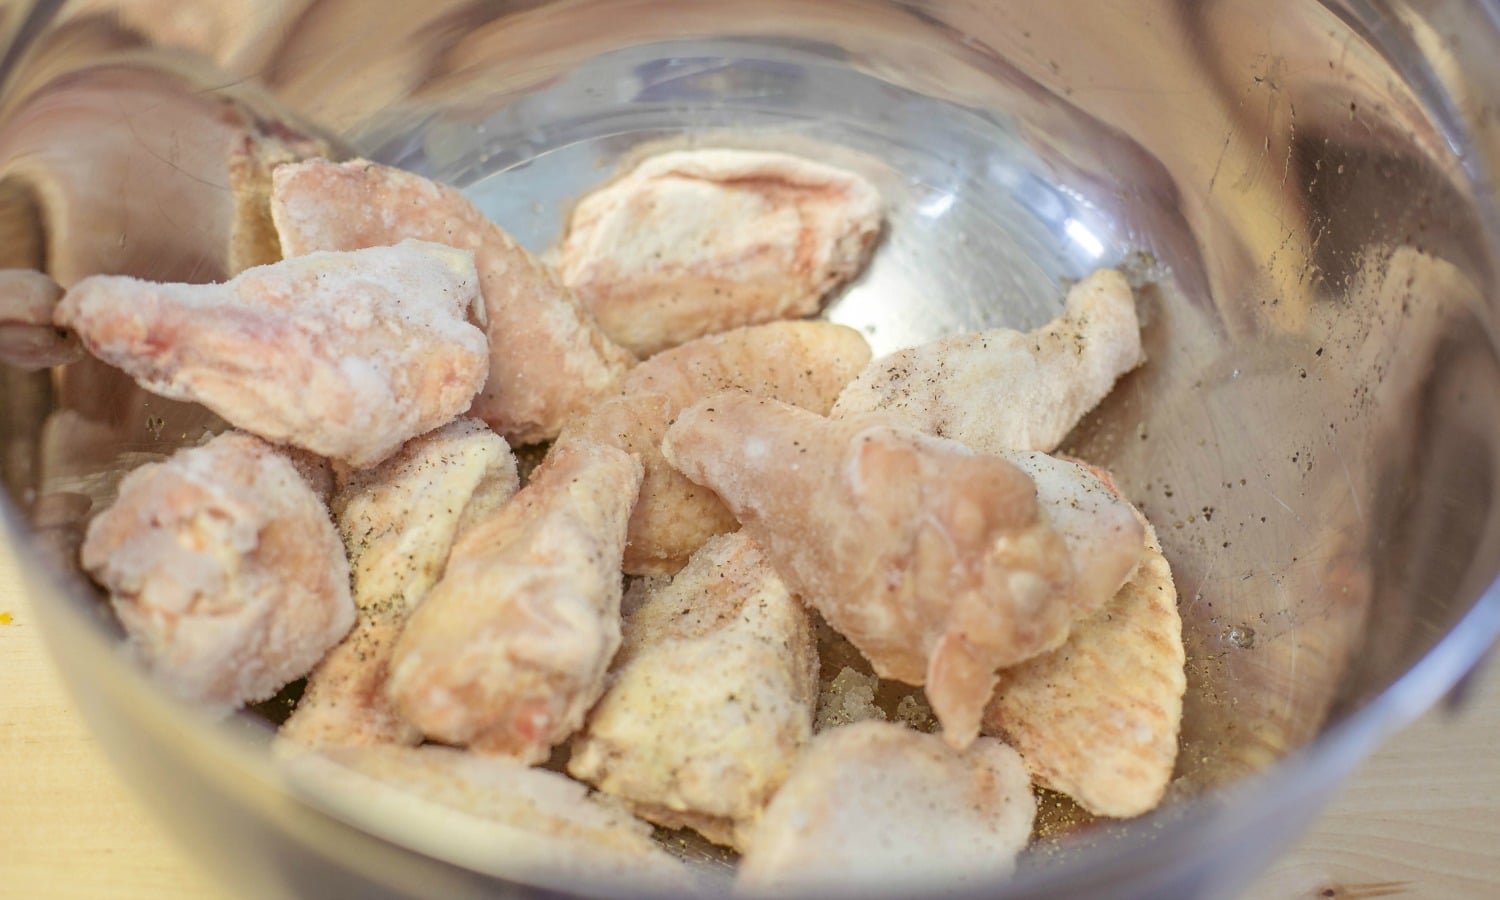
x=28, y=339
x=695, y=242
x=1104, y=534
x=802, y=363
x=548, y=359
x=347, y=355
x=224, y=570
x=398, y=521
x=510, y=648
x=710, y=699
x=875, y=806
x=1097, y=719
x=495, y=815
x=935, y=561
x=1005, y=390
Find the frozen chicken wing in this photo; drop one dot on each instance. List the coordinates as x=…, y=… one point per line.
x=492, y=814
x=347, y=355
x=548, y=359
x=1005, y=390
x=510, y=648
x=398, y=521
x=710, y=699
x=935, y=561
x=1097, y=719
x=694, y=242
x=224, y=570
x=805, y=364
x=878, y=807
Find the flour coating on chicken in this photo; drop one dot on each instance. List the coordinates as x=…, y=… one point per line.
x=510, y=648
x=878, y=807
x=548, y=359
x=805, y=364
x=495, y=815
x=347, y=355
x=934, y=560
x=398, y=521
x=710, y=698
x=1104, y=534
x=224, y=570
x=1007, y=390
x=1098, y=718
x=694, y=242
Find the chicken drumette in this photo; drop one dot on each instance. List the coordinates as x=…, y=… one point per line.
x=548, y=359
x=509, y=650
x=805, y=364
x=1005, y=390
x=934, y=560
x=398, y=521
x=347, y=355
x=224, y=569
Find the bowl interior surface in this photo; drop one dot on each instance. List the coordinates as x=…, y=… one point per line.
x=1294, y=189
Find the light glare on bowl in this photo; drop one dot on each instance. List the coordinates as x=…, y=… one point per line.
x=1085, y=239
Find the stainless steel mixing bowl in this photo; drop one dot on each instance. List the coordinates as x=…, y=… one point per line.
x=1303, y=189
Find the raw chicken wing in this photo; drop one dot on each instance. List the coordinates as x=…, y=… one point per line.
x=1004, y=390
x=344, y=354
x=695, y=242
x=28, y=339
x=398, y=521
x=710, y=699
x=510, y=648
x=548, y=359
x=878, y=807
x=802, y=363
x=1105, y=537
x=1097, y=718
x=935, y=561
x=491, y=814
x=224, y=569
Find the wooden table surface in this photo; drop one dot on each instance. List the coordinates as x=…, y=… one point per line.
x=1421, y=820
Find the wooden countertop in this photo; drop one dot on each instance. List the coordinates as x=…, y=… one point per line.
x=1421, y=820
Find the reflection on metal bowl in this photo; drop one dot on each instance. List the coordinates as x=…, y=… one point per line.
x=1301, y=190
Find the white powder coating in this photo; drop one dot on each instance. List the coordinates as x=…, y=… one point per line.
x=1005, y=390
x=398, y=521
x=710, y=698
x=694, y=242
x=347, y=355
x=224, y=569
x=877, y=806
x=510, y=649
x=1105, y=538
x=935, y=561
x=549, y=361
x=495, y=814
x=802, y=363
